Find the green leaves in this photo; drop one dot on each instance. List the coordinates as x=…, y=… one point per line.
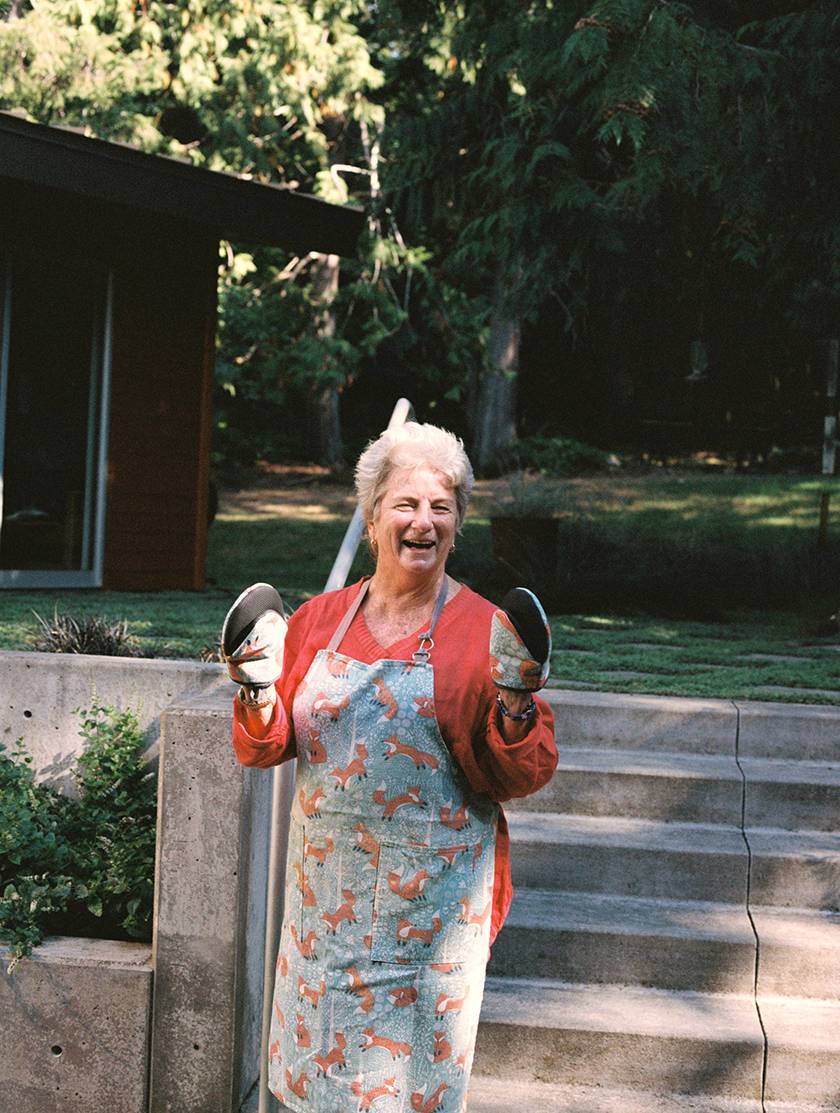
x=657, y=132
x=64, y=860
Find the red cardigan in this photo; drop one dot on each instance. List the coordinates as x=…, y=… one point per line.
x=464, y=702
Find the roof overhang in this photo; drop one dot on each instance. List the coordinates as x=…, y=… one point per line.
x=241, y=210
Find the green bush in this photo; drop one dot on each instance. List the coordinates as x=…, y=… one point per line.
x=699, y=573
x=551, y=456
x=86, y=866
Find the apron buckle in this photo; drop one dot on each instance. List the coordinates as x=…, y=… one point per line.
x=421, y=654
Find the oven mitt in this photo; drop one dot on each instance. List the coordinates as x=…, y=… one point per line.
x=520, y=642
x=253, y=637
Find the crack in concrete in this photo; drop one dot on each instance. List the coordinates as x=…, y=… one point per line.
x=748, y=909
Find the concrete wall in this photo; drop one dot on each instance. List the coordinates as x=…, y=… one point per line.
x=74, y=1028
x=211, y=911
x=40, y=693
x=175, y=1028
x=76, y=1020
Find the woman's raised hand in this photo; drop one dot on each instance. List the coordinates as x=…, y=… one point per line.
x=520, y=643
x=253, y=638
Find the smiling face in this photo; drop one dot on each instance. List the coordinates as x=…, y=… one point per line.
x=414, y=529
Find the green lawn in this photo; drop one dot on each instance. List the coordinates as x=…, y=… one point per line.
x=752, y=656
x=769, y=654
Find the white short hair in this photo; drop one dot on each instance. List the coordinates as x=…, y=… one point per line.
x=413, y=446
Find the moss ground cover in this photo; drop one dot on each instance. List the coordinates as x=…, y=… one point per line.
x=644, y=529
x=752, y=656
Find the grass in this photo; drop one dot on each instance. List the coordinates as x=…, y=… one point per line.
x=697, y=545
x=754, y=656
x=773, y=653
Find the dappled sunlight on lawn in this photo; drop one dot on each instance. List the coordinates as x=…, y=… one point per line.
x=269, y=510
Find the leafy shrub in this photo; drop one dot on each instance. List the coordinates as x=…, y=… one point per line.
x=552, y=456
x=699, y=573
x=86, y=866
x=36, y=860
x=88, y=634
x=578, y=562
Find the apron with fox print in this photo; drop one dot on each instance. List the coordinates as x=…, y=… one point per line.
x=389, y=892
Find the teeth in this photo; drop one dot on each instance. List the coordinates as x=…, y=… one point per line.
x=420, y=544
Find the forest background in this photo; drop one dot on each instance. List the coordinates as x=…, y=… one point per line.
x=615, y=222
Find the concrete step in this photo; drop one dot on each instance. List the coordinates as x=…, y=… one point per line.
x=492, y=1095
x=660, y=1041
x=694, y=945
x=599, y=939
x=677, y=861
x=652, y=1040
x=692, y=788
x=803, y=1049
x=782, y=731
x=794, y=795
x=604, y=720
x=685, y=788
x=794, y=869
x=650, y=723
x=799, y=952
x=628, y=857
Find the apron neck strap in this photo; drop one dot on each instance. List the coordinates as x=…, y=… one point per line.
x=344, y=625
x=421, y=655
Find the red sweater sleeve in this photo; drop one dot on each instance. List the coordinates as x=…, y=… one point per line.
x=310, y=629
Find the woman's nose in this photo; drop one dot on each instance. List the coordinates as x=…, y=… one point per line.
x=423, y=516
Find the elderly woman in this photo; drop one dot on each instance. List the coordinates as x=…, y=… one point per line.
x=407, y=700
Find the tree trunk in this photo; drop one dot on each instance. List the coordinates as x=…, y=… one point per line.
x=323, y=422
x=325, y=428
x=614, y=377
x=494, y=424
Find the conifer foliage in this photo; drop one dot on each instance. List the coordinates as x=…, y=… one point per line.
x=620, y=156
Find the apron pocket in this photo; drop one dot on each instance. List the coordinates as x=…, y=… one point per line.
x=432, y=907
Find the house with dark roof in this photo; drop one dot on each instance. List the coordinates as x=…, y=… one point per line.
x=108, y=269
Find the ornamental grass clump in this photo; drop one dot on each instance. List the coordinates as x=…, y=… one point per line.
x=87, y=634
x=79, y=867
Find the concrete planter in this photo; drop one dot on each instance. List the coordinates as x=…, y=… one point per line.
x=89, y=1025
x=525, y=554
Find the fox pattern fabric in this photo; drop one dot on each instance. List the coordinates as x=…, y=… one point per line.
x=511, y=662
x=385, y=939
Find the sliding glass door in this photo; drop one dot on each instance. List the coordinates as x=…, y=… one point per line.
x=54, y=371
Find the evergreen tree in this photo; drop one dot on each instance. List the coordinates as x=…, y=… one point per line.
x=617, y=157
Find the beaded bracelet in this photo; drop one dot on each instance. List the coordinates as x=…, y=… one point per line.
x=519, y=716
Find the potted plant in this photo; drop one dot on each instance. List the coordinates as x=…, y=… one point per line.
x=525, y=529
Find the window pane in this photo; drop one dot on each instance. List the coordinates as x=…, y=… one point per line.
x=51, y=421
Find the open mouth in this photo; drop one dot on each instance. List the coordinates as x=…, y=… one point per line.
x=419, y=544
